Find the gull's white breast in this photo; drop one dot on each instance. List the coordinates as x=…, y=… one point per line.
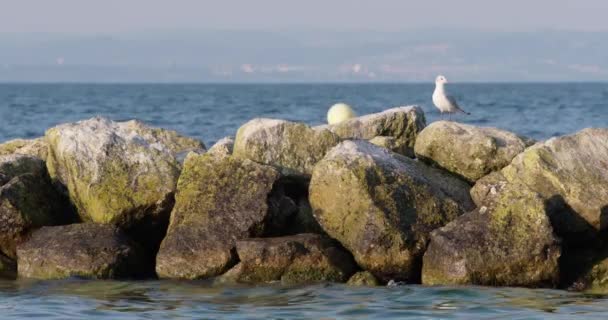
x=441, y=101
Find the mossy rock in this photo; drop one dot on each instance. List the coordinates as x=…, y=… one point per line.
x=222, y=147
x=381, y=206
x=87, y=250
x=28, y=200
x=294, y=148
x=292, y=260
x=363, y=279
x=487, y=187
x=402, y=124
x=32, y=147
x=508, y=241
x=468, y=151
x=570, y=173
x=389, y=143
x=219, y=200
x=118, y=173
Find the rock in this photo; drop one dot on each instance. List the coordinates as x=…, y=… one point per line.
x=8, y=267
x=294, y=148
x=223, y=147
x=389, y=143
x=571, y=175
x=299, y=259
x=33, y=147
x=121, y=173
x=402, y=123
x=508, y=241
x=87, y=250
x=468, y=151
x=14, y=165
x=219, y=200
x=381, y=206
x=488, y=186
x=363, y=279
x=28, y=200
x=9, y=147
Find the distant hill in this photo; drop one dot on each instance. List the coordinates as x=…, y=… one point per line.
x=304, y=56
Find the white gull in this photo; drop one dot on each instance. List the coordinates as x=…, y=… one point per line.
x=442, y=100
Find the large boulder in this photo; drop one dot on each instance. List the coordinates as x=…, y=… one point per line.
x=468, y=151
x=219, y=200
x=402, y=124
x=571, y=175
x=299, y=259
x=32, y=147
x=121, y=173
x=381, y=206
x=88, y=250
x=508, y=241
x=28, y=200
x=294, y=148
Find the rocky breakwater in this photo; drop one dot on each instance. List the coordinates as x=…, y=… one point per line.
x=372, y=199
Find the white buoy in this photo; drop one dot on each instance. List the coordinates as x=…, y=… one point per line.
x=339, y=112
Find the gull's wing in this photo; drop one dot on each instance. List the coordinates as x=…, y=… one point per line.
x=455, y=104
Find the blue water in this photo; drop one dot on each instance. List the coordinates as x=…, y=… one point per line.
x=210, y=112
x=79, y=299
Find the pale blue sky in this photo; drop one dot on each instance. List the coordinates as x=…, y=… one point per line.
x=111, y=16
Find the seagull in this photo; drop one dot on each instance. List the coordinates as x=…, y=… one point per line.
x=443, y=101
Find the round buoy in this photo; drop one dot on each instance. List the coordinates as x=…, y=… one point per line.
x=339, y=112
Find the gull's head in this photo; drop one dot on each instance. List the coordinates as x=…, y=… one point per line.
x=440, y=80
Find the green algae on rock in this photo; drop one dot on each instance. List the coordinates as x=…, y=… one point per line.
x=219, y=200
x=294, y=148
x=468, y=151
x=381, y=206
x=117, y=172
x=508, y=241
x=571, y=175
x=87, y=250
x=402, y=124
x=33, y=147
x=298, y=259
x=363, y=279
x=28, y=200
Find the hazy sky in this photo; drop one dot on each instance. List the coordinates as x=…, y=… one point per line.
x=110, y=16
